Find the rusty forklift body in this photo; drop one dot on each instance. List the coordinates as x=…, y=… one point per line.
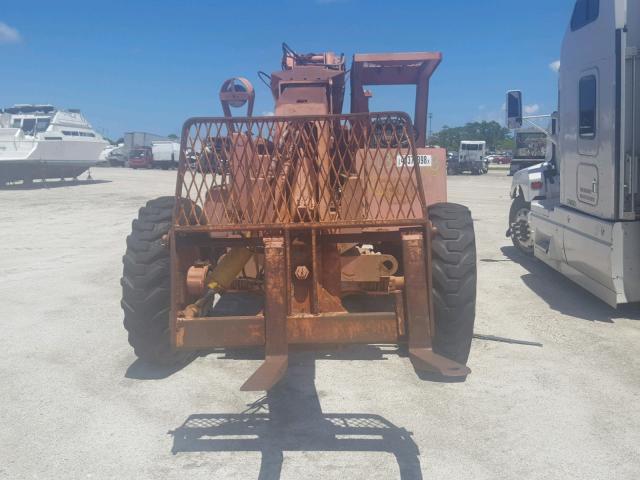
x=307, y=208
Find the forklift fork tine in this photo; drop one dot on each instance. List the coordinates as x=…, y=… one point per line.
x=426, y=359
x=267, y=375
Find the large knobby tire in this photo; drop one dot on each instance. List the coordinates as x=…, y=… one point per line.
x=519, y=226
x=454, y=275
x=146, y=285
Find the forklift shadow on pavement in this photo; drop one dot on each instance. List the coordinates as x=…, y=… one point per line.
x=289, y=418
x=564, y=296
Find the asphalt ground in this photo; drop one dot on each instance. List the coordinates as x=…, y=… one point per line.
x=75, y=403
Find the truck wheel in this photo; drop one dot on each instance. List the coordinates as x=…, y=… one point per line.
x=519, y=227
x=454, y=275
x=146, y=285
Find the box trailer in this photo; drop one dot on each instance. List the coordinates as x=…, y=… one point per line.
x=166, y=154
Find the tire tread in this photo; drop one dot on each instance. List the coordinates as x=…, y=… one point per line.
x=454, y=277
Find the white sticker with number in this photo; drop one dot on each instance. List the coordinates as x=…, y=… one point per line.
x=423, y=160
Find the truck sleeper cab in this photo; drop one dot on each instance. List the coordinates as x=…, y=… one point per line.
x=590, y=229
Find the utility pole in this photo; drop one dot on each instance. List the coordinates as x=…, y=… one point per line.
x=430, y=124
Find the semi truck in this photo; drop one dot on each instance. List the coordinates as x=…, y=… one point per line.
x=471, y=158
x=579, y=211
x=530, y=149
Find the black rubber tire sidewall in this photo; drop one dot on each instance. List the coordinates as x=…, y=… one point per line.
x=454, y=278
x=146, y=285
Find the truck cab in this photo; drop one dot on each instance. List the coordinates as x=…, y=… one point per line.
x=585, y=220
x=471, y=158
x=530, y=149
x=536, y=181
x=141, y=157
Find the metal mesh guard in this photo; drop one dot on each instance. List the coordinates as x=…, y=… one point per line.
x=284, y=172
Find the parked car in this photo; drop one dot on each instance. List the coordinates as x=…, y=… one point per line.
x=141, y=157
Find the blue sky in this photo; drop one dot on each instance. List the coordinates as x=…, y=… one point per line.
x=148, y=65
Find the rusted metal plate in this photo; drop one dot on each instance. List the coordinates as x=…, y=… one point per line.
x=347, y=328
x=419, y=322
x=343, y=328
x=329, y=280
x=433, y=172
x=275, y=319
x=210, y=332
x=275, y=300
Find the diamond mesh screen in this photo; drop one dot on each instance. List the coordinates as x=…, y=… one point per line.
x=271, y=172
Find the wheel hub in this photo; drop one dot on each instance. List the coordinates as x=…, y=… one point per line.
x=522, y=230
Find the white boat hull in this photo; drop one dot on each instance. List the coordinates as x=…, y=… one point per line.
x=29, y=170
x=29, y=160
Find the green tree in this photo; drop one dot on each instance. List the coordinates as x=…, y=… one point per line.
x=493, y=133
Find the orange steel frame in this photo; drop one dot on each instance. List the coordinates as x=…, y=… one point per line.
x=297, y=190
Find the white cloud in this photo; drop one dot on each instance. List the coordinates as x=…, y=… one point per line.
x=489, y=113
x=268, y=114
x=555, y=66
x=531, y=109
x=9, y=34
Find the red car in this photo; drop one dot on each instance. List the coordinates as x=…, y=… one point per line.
x=502, y=160
x=141, y=157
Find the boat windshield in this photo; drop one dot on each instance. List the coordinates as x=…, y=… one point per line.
x=29, y=126
x=42, y=124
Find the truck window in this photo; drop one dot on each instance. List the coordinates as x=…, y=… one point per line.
x=588, y=98
x=530, y=146
x=584, y=13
